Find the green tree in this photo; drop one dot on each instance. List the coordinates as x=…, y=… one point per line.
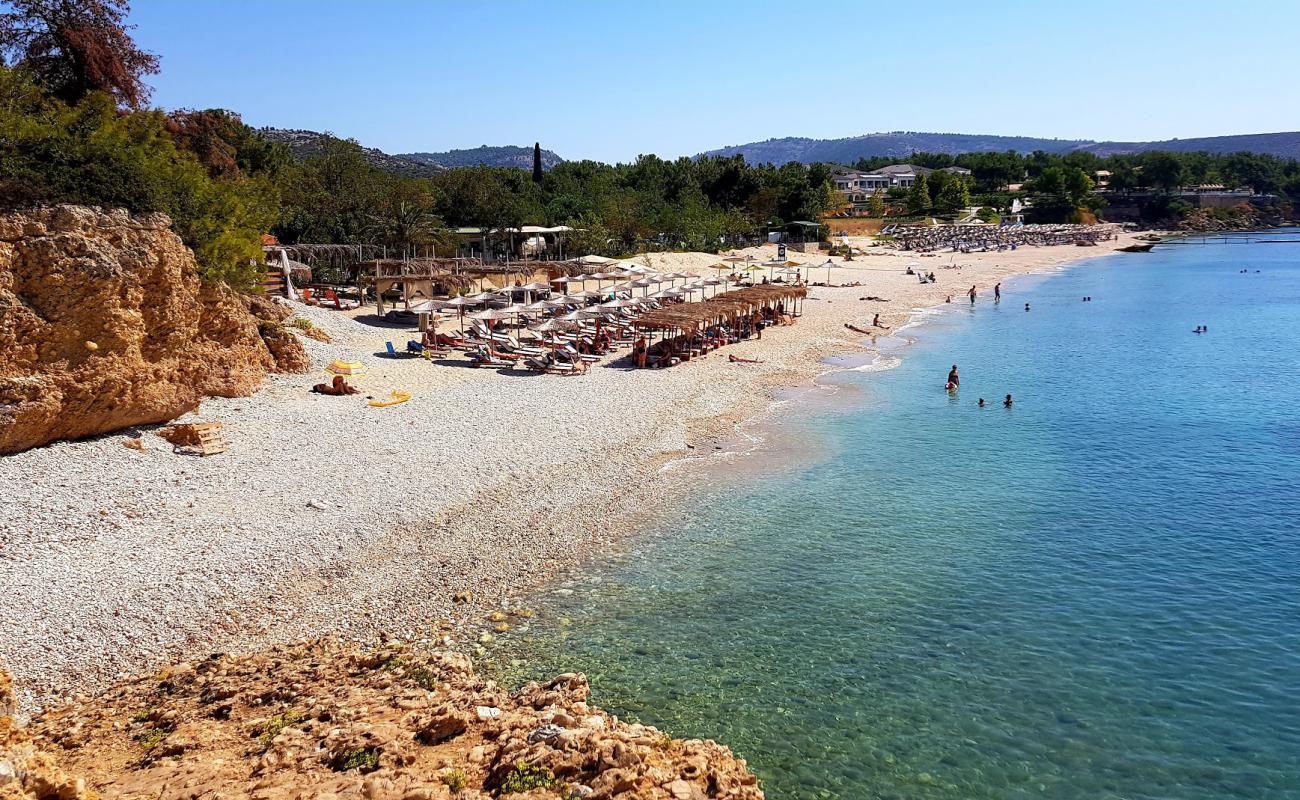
x=91, y=154
x=75, y=47
x=1163, y=170
x=954, y=196
x=918, y=199
x=876, y=204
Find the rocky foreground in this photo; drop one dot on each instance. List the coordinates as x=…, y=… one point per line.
x=321, y=720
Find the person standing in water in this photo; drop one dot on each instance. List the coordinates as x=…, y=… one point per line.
x=997, y=293
x=1007, y=403
x=972, y=295
x=954, y=380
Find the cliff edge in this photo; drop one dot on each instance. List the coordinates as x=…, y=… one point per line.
x=105, y=324
x=324, y=720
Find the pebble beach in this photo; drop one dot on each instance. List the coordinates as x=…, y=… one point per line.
x=329, y=516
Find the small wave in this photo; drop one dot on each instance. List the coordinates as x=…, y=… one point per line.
x=880, y=363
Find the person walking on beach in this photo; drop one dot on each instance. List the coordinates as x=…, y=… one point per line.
x=997, y=293
x=972, y=295
x=954, y=380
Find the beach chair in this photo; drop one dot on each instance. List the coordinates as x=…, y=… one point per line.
x=574, y=355
x=393, y=353
x=482, y=357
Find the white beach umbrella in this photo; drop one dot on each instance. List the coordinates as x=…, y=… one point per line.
x=493, y=314
x=458, y=303
x=830, y=265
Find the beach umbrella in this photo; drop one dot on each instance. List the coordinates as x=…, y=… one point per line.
x=341, y=367
x=551, y=326
x=485, y=297
x=490, y=315
x=829, y=265
x=772, y=264
x=460, y=304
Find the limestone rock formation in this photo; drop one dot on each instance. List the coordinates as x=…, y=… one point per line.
x=324, y=720
x=105, y=324
x=27, y=773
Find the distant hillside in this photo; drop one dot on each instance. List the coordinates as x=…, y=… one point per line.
x=1283, y=145
x=900, y=144
x=309, y=143
x=504, y=156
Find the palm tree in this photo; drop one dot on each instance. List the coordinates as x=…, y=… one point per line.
x=406, y=227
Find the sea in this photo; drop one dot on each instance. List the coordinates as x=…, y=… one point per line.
x=1094, y=593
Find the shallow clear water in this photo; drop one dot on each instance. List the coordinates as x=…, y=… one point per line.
x=1094, y=594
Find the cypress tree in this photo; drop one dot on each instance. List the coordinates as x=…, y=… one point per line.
x=537, y=162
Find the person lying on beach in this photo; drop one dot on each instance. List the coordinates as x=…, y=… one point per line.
x=738, y=360
x=856, y=329
x=877, y=299
x=337, y=388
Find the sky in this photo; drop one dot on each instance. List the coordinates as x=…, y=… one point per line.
x=611, y=80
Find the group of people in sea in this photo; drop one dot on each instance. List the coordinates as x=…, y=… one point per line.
x=954, y=383
x=986, y=238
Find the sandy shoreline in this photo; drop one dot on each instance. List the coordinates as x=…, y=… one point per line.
x=329, y=516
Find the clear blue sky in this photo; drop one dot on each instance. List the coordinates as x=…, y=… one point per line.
x=609, y=80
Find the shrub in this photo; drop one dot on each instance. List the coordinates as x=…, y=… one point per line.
x=525, y=778
x=455, y=780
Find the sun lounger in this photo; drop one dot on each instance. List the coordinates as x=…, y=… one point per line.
x=575, y=355
x=482, y=357
x=551, y=367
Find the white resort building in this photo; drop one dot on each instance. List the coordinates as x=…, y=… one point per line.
x=858, y=185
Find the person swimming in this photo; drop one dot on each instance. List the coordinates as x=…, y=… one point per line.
x=1007, y=403
x=1026, y=306
x=981, y=404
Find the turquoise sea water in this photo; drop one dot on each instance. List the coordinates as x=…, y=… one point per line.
x=1095, y=594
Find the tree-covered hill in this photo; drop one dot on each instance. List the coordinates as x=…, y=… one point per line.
x=900, y=144
x=486, y=156
x=303, y=144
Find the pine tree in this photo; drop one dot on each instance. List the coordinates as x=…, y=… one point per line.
x=876, y=204
x=73, y=48
x=918, y=199
x=537, y=162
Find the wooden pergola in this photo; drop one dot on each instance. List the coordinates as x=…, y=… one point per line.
x=691, y=319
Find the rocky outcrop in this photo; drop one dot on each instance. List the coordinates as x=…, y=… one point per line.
x=323, y=720
x=27, y=773
x=1244, y=217
x=105, y=324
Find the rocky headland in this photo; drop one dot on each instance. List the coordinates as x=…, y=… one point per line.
x=105, y=324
